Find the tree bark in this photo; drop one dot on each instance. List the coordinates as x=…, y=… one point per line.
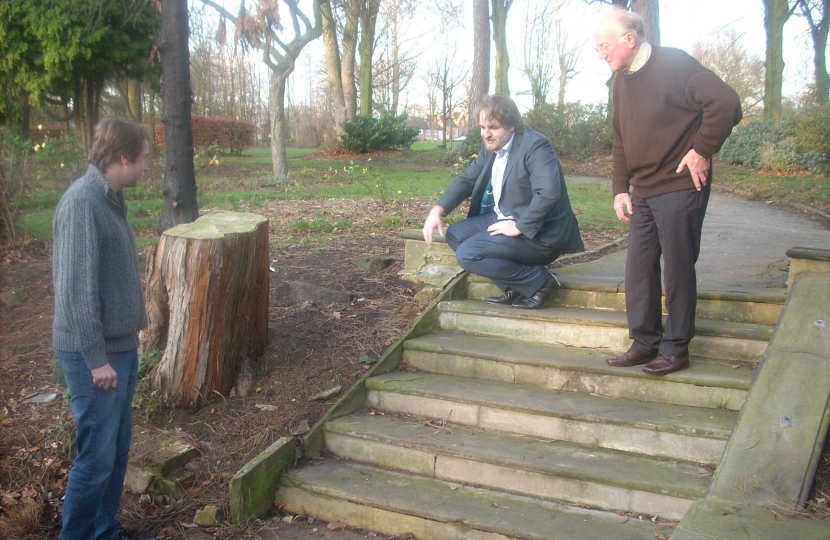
x=776, y=13
x=276, y=108
x=134, y=99
x=368, y=21
x=180, y=205
x=333, y=65
x=819, y=28
x=480, y=83
x=649, y=10
x=207, y=305
x=499, y=18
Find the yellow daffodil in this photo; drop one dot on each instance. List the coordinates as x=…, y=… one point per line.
x=39, y=127
x=62, y=165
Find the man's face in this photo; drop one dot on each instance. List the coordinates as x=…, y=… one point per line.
x=132, y=172
x=618, y=50
x=494, y=135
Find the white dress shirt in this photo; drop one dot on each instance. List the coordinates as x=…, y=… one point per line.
x=497, y=175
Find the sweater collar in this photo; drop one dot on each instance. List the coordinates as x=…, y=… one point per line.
x=97, y=178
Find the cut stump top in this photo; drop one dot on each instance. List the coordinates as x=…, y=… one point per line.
x=217, y=225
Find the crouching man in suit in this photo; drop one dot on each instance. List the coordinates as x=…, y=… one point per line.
x=520, y=217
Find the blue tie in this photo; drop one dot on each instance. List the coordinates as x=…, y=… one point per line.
x=488, y=201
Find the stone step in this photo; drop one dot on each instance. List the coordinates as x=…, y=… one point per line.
x=551, y=470
x=394, y=503
x=593, y=328
x=704, y=384
x=753, y=305
x=671, y=431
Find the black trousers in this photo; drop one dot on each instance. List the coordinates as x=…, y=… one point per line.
x=669, y=225
x=512, y=263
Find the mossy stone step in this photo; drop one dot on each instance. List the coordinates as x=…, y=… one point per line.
x=671, y=431
x=594, y=328
x=704, y=384
x=394, y=503
x=553, y=470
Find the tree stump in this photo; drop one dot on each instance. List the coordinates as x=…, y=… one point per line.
x=207, y=304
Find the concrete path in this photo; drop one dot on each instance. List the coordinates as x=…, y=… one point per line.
x=744, y=243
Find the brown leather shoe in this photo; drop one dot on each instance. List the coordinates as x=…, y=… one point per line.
x=631, y=358
x=664, y=364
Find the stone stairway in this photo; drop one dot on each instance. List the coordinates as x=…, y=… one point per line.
x=503, y=423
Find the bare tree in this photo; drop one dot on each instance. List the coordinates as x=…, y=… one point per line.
x=261, y=29
x=731, y=62
x=396, y=65
x=480, y=82
x=340, y=38
x=817, y=13
x=500, y=8
x=538, y=62
x=369, y=10
x=447, y=82
x=568, y=52
x=776, y=13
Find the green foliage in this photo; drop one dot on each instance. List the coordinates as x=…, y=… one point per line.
x=147, y=360
x=812, y=131
x=576, y=130
x=59, y=159
x=367, y=134
x=49, y=47
x=464, y=153
x=745, y=145
x=781, y=156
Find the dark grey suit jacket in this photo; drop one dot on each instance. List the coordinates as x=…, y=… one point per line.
x=534, y=193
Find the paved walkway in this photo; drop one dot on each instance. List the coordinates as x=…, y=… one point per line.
x=744, y=243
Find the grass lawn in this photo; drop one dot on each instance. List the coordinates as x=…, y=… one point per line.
x=398, y=186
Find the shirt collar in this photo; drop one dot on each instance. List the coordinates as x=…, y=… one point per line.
x=506, y=148
x=641, y=58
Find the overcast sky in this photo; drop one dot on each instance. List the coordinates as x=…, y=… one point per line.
x=682, y=24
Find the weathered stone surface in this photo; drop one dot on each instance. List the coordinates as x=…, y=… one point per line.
x=161, y=454
x=137, y=480
x=301, y=428
x=292, y=292
x=373, y=264
x=208, y=516
x=252, y=488
x=12, y=297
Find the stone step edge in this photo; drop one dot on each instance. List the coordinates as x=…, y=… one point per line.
x=342, y=427
x=378, y=384
x=581, y=282
x=392, y=517
x=688, y=376
x=605, y=318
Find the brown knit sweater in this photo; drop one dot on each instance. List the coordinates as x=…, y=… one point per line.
x=669, y=106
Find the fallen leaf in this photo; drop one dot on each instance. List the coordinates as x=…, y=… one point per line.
x=659, y=535
x=736, y=366
x=336, y=314
x=582, y=505
x=365, y=359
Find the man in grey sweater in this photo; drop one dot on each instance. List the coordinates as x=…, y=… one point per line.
x=99, y=309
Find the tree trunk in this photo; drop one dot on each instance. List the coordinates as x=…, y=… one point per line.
x=480, y=83
x=207, y=304
x=499, y=17
x=276, y=108
x=180, y=205
x=818, y=32
x=650, y=11
x=134, y=99
x=349, y=58
x=333, y=65
x=151, y=112
x=368, y=21
x=776, y=13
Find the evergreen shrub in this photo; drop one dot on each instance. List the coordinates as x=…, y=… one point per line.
x=367, y=134
x=576, y=130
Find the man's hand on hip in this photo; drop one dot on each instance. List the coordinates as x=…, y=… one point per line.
x=623, y=207
x=698, y=167
x=433, y=221
x=104, y=377
x=507, y=227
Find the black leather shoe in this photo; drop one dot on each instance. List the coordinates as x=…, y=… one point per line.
x=538, y=299
x=632, y=357
x=508, y=297
x=665, y=364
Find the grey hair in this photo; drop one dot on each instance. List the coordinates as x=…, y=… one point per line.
x=628, y=21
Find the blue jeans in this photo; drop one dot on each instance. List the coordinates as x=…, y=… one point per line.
x=104, y=419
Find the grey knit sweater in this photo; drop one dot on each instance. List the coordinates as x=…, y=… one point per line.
x=99, y=307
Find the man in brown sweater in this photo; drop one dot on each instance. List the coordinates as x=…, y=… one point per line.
x=670, y=116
